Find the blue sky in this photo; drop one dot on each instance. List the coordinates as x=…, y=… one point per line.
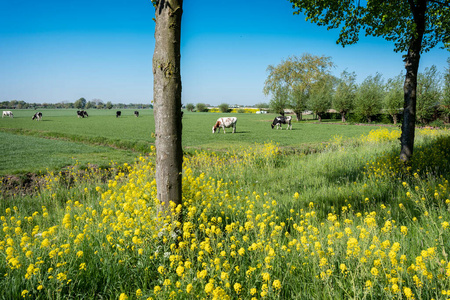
x=52, y=51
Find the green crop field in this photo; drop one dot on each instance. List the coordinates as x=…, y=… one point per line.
x=61, y=138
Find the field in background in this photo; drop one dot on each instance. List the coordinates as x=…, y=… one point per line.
x=62, y=138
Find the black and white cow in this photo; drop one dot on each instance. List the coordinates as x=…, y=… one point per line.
x=278, y=121
x=7, y=113
x=118, y=113
x=225, y=123
x=136, y=113
x=82, y=113
x=37, y=116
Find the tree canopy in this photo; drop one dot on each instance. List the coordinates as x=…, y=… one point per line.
x=415, y=26
x=295, y=77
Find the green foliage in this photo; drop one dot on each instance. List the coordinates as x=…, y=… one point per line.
x=320, y=97
x=201, y=107
x=369, y=97
x=224, y=108
x=344, y=97
x=393, y=99
x=293, y=79
x=393, y=21
x=280, y=100
x=428, y=94
x=445, y=103
x=190, y=107
x=80, y=103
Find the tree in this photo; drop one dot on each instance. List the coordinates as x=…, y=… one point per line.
x=80, y=103
x=369, y=97
x=344, y=97
x=393, y=99
x=320, y=96
x=224, y=108
x=90, y=104
x=190, y=107
x=415, y=26
x=445, y=104
x=297, y=75
x=279, y=101
x=167, y=101
x=428, y=94
x=200, y=107
x=109, y=105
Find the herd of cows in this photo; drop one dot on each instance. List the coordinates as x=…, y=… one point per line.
x=223, y=123
x=231, y=122
x=80, y=114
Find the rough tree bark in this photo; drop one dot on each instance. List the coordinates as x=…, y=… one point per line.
x=412, y=65
x=167, y=101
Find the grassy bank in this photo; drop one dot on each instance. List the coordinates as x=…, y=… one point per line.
x=346, y=222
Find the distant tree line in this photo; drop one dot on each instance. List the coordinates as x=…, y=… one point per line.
x=81, y=103
x=306, y=84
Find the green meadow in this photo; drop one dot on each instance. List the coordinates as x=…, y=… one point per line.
x=61, y=138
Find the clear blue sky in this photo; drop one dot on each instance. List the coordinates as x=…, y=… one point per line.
x=52, y=51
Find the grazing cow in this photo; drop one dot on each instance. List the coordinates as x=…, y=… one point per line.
x=7, y=113
x=37, y=116
x=136, y=113
x=118, y=113
x=82, y=113
x=225, y=123
x=282, y=120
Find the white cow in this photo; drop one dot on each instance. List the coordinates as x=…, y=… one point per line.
x=7, y=113
x=225, y=123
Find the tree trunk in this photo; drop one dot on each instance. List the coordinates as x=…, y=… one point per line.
x=412, y=65
x=167, y=101
x=343, y=117
x=298, y=115
x=394, y=118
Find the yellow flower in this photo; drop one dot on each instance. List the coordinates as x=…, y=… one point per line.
x=209, y=287
x=276, y=284
x=138, y=293
x=79, y=253
x=408, y=293
x=189, y=288
x=237, y=287
x=180, y=270
x=404, y=230
x=156, y=289
x=123, y=296
x=24, y=293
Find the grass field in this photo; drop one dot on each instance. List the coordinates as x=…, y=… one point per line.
x=345, y=221
x=102, y=137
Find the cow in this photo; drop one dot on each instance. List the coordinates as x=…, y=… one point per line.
x=278, y=121
x=118, y=113
x=225, y=123
x=136, y=113
x=82, y=113
x=37, y=116
x=7, y=113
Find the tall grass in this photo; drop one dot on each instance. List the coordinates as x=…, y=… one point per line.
x=346, y=222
